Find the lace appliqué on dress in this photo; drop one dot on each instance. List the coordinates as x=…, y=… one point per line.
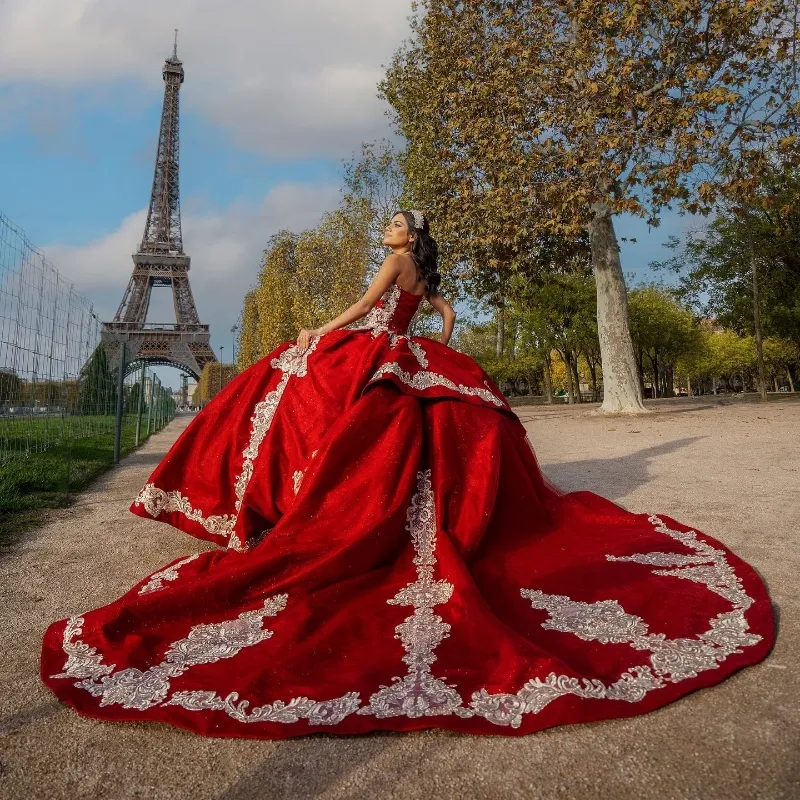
x=157, y=579
x=292, y=363
x=426, y=380
x=379, y=316
x=133, y=688
x=157, y=501
x=419, y=694
x=606, y=621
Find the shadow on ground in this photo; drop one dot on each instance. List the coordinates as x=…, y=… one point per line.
x=614, y=477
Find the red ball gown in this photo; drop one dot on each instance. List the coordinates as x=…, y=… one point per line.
x=391, y=558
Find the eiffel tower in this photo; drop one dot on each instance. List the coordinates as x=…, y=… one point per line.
x=160, y=261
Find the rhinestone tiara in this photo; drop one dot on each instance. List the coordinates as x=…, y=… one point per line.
x=419, y=219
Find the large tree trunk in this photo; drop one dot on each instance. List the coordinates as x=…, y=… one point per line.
x=548, y=380
x=576, y=379
x=568, y=370
x=791, y=380
x=762, y=380
x=621, y=391
x=501, y=329
x=669, y=381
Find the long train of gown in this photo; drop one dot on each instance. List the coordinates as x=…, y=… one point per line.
x=392, y=558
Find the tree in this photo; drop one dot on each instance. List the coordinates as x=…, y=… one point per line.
x=663, y=331
x=331, y=265
x=305, y=280
x=214, y=377
x=274, y=295
x=743, y=269
x=556, y=313
x=248, y=333
x=374, y=186
x=10, y=387
x=98, y=385
x=781, y=356
x=719, y=354
x=132, y=399
x=610, y=108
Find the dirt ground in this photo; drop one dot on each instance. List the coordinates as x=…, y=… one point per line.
x=731, y=470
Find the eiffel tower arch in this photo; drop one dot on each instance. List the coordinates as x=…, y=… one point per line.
x=161, y=262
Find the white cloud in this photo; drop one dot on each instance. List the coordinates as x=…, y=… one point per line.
x=225, y=248
x=286, y=78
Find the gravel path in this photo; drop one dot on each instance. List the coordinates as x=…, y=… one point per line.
x=731, y=470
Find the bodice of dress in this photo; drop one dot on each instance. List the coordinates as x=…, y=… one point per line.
x=393, y=312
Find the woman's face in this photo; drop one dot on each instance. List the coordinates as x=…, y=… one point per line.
x=397, y=232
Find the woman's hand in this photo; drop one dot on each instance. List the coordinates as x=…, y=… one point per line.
x=304, y=338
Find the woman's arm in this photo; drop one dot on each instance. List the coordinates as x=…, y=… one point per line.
x=385, y=277
x=448, y=315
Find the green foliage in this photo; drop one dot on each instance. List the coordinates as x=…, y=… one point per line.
x=305, y=280
x=663, y=332
x=98, y=385
x=214, y=377
x=10, y=386
x=715, y=268
x=557, y=313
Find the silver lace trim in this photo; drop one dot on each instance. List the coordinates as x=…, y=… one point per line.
x=133, y=688
x=606, y=621
x=419, y=694
x=158, y=501
x=379, y=317
x=419, y=353
x=157, y=579
x=155, y=500
x=426, y=380
x=326, y=712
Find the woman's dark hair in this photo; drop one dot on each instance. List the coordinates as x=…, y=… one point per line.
x=424, y=251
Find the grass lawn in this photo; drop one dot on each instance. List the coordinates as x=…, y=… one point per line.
x=49, y=478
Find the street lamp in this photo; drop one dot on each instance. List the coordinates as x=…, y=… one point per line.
x=233, y=345
x=221, y=362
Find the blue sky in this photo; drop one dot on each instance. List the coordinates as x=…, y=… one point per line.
x=276, y=95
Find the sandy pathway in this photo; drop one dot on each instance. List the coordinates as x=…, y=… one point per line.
x=730, y=470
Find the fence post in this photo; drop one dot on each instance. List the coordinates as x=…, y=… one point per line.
x=150, y=403
x=66, y=424
x=156, y=396
x=141, y=400
x=120, y=392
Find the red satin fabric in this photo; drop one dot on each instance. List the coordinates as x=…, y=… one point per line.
x=394, y=559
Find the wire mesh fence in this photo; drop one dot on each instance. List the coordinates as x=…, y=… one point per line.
x=65, y=411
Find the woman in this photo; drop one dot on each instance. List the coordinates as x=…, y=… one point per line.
x=391, y=557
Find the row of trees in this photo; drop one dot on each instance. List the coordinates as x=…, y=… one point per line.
x=307, y=278
x=213, y=378
x=624, y=108
x=94, y=393
x=551, y=345
x=629, y=108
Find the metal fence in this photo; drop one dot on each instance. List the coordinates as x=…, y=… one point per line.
x=59, y=394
